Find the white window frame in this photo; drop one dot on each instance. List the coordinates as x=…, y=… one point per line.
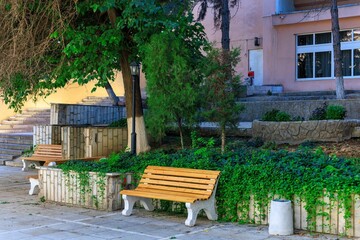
x=327, y=47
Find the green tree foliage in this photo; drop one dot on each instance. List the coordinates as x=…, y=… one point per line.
x=170, y=62
x=219, y=91
x=49, y=43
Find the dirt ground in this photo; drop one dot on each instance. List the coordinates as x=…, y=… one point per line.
x=349, y=148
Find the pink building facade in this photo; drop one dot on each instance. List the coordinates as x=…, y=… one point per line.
x=289, y=43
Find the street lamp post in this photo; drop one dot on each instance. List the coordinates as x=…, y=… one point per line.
x=135, y=72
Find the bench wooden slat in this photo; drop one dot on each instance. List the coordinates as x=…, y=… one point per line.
x=178, y=179
x=44, y=151
x=174, y=189
x=42, y=158
x=180, y=184
x=178, y=191
x=211, y=172
x=182, y=174
x=159, y=195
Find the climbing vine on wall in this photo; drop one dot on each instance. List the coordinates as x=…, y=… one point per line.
x=254, y=173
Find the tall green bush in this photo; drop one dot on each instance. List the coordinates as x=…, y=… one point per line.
x=219, y=89
x=170, y=62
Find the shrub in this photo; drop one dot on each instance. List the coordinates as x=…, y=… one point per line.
x=335, y=112
x=276, y=115
x=119, y=123
x=283, y=117
x=319, y=113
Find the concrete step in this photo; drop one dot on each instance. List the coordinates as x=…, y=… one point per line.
x=15, y=126
x=13, y=152
x=37, y=110
x=28, y=115
x=3, y=161
x=16, y=139
x=6, y=156
x=17, y=146
x=13, y=163
x=10, y=131
x=22, y=118
x=38, y=121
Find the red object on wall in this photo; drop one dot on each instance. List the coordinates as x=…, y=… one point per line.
x=251, y=74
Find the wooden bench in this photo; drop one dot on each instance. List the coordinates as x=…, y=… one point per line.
x=48, y=154
x=196, y=188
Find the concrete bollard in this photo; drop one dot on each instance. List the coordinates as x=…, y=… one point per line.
x=281, y=220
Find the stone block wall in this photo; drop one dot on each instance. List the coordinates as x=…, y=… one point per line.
x=56, y=186
x=47, y=134
x=79, y=142
x=73, y=114
x=298, y=132
x=303, y=108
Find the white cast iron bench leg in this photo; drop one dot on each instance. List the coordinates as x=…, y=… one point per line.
x=194, y=209
x=27, y=163
x=129, y=202
x=33, y=184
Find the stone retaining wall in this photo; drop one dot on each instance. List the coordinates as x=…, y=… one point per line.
x=303, y=108
x=47, y=134
x=298, y=132
x=75, y=114
x=101, y=193
x=79, y=142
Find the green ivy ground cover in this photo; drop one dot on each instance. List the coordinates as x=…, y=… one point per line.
x=247, y=171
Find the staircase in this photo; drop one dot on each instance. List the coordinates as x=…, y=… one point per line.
x=16, y=134
x=24, y=122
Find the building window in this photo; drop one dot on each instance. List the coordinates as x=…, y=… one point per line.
x=305, y=65
x=356, y=62
x=322, y=38
x=315, y=58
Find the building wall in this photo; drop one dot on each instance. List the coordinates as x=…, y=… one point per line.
x=71, y=94
x=246, y=24
x=280, y=57
x=277, y=32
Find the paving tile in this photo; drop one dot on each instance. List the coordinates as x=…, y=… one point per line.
x=25, y=217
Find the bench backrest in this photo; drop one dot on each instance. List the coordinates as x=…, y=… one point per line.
x=182, y=181
x=48, y=150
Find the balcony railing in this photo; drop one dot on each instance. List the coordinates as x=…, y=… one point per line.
x=289, y=6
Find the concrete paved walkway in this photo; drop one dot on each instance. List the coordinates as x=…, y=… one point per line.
x=26, y=217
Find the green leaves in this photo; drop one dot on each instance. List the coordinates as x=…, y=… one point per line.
x=172, y=83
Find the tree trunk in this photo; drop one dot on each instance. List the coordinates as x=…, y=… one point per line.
x=142, y=144
x=340, y=91
x=141, y=136
x=223, y=139
x=225, y=25
x=111, y=93
x=181, y=132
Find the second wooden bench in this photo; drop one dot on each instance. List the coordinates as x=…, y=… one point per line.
x=196, y=188
x=45, y=154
